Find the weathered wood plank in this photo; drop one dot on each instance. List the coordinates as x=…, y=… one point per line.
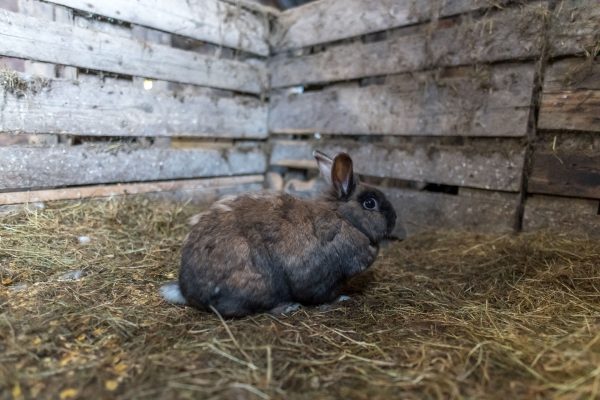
x=256, y=6
x=565, y=215
x=8, y=139
x=70, y=45
x=39, y=167
x=578, y=110
x=483, y=165
x=207, y=189
x=330, y=20
x=506, y=35
x=571, y=95
x=326, y=20
x=465, y=102
x=574, y=28
x=350, y=61
x=111, y=107
x=208, y=20
x=565, y=173
x=472, y=210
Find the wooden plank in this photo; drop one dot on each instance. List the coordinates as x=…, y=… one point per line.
x=571, y=95
x=256, y=6
x=464, y=102
x=565, y=215
x=194, y=187
x=207, y=20
x=472, y=210
x=8, y=139
x=563, y=173
x=350, y=61
x=111, y=107
x=514, y=33
x=330, y=20
x=574, y=73
x=45, y=11
x=574, y=28
x=20, y=37
x=39, y=167
x=326, y=20
x=485, y=165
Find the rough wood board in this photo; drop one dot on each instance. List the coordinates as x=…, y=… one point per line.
x=192, y=187
x=350, y=61
x=9, y=139
x=330, y=20
x=506, y=35
x=514, y=33
x=571, y=95
x=255, y=6
x=21, y=37
x=575, y=27
x=564, y=215
x=468, y=102
x=208, y=20
x=576, y=110
x=566, y=174
x=39, y=167
x=479, y=211
x=485, y=165
x=111, y=107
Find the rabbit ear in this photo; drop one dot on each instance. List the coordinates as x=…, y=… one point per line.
x=325, y=164
x=342, y=175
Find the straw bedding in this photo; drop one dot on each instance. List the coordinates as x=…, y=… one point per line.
x=440, y=315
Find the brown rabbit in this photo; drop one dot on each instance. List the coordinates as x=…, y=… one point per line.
x=271, y=251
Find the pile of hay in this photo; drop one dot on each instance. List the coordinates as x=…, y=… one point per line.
x=438, y=316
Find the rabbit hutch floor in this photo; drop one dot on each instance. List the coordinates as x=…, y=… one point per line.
x=438, y=316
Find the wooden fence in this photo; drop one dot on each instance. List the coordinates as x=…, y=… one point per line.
x=481, y=113
x=101, y=92
x=472, y=114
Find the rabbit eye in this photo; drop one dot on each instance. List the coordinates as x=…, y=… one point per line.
x=369, y=204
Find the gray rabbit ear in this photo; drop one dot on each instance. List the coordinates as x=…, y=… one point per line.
x=342, y=175
x=325, y=164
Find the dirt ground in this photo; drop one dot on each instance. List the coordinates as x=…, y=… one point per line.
x=440, y=315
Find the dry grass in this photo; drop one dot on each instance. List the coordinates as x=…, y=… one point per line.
x=438, y=316
x=13, y=83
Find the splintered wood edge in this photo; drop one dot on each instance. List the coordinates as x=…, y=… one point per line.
x=86, y=192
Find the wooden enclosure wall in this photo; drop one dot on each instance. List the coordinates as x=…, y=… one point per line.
x=564, y=175
x=470, y=113
x=105, y=92
x=460, y=108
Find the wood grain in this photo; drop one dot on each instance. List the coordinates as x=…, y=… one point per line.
x=483, y=165
x=471, y=210
x=110, y=107
x=562, y=215
x=205, y=189
x=571, y=95
x=574, y=174
x=574, y=28
x=208, y=20
x=466, y=102
x=21, y=36
x=514, y=33
x=23, y=167
x=330, y=20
